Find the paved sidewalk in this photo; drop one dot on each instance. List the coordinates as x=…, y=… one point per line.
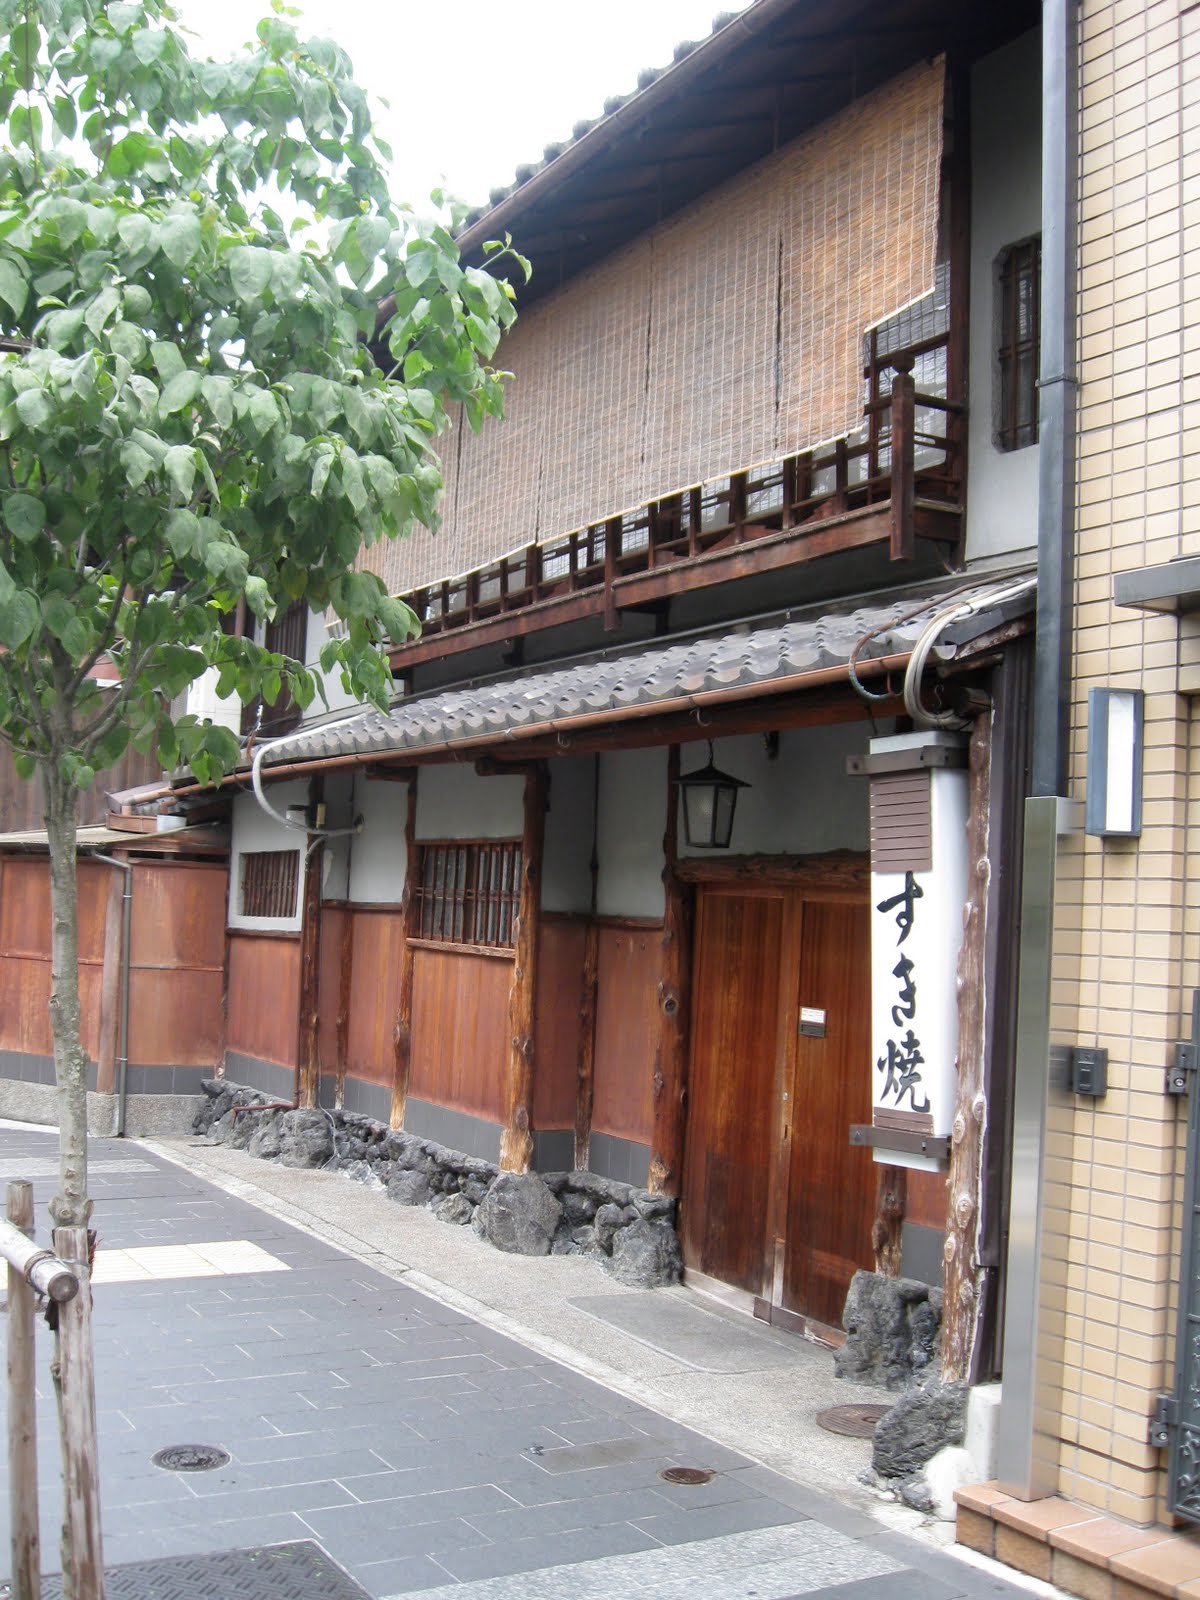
x=425, y=1451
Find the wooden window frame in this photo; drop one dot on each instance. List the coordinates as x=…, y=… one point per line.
x=468, y=893
x=1017, y=393
x=264, y=880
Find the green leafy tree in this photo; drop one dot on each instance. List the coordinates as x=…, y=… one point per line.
x=199, y=403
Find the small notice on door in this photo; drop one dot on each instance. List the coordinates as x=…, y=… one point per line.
x=812, y=1022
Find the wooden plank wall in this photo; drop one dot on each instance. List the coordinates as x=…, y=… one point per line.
x=263, y=997
x=460, y=1031
x=25, y=953
x=376, y=937
x=629, y=970
x=558, y=1036
x=22, y=807
x=177, y=940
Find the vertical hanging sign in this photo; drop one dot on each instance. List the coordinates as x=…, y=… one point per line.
x=919, y=801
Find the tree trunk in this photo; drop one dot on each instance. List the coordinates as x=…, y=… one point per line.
x=71, y=1206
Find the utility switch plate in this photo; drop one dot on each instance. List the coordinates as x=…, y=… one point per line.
x=1089, y=1071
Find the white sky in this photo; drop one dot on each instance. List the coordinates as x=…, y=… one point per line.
x=478, y=87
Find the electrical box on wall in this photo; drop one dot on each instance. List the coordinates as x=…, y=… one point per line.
x=1089, y=1071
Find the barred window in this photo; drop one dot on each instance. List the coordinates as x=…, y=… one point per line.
x=1019, y=344
x=469, y=892
x=269, y=879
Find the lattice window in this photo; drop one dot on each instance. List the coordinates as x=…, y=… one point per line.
x=269, y=879
x=287, y=636
x=469, y=892
x=1018, y=347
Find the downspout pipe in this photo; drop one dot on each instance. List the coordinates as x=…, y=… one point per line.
x=126, y=919
x=1027, y=1443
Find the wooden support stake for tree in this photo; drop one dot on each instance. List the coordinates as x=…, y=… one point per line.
x=22, y=1414
x=960, y=1313
x=891, y=1197
x=74, y=1381
x=903, y=539
x=516, y=1142
x=345, y=981
x=586, y=1077
x=674, y=1004
x=410, y=907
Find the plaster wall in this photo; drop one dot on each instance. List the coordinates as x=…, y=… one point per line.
x=454, y=802
x=254, y=830
x=566, y=868
x=377, y=860
x=630, y=825
x=1006, y=199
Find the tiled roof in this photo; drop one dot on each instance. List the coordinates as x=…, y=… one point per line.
x=661, y=677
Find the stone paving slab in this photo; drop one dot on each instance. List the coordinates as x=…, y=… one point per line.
x=424, y=1451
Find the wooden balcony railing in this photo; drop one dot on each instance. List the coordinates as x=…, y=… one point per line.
x=898, y=478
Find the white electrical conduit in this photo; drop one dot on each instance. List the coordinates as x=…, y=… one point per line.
x=986, y=599
x=314, y=835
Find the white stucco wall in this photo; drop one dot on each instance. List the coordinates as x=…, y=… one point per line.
x=630, y=825
x=801, y=803
x=377, y=854
x=254, y=830
x=1005, y=208
x=454, y=802
x=566, y=863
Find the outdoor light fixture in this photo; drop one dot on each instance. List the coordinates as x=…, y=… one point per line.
x=1114, y=762
x=709, y=801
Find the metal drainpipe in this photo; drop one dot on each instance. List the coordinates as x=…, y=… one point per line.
x=1026, y=1443
x=126, y=916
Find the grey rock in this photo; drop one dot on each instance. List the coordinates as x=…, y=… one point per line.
x=519, y=1214
x=556, y=1182
x=891, y=1330
x=361, y=1172
x=564, y=1242
x=264, y=1141
x=917, y=1427
x=645, y=1254
x=602, y=1190
x=242, y=1128
x=578, y=1207
x=305, y=1139
x=474, y=1189
x=413, y=1158
x=454, y=1208
x=408, y=1188
x=608, y=1219
x=654, y=1207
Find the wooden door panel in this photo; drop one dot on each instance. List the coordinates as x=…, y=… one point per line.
x=736, y=995
x=831, y=1189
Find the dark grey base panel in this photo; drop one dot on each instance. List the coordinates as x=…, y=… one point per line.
x=457, y=1130
x=25, y=1068
x=622, y=1159
x=372, y=1100
x=268, y=1077
x=166, y=1079
x=554, y=1150
x=921, y=1253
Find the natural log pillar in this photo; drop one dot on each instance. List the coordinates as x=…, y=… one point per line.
x=960, y=1314
x=891, y=1194
x=586, y=1077
x=22, y=1412
x=516, y=1142
x=409, y=909
x=674, y=1005
x=345, y=981
x=74, y=1381
x=902, y=539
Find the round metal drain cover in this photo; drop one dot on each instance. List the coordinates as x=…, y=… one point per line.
x=687, y=1475
x=190, y=1457
x=856, y=1421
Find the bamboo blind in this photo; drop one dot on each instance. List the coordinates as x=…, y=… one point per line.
x=729, y=336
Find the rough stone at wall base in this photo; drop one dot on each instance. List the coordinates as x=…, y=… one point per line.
x=917, y=1427
x=519, y=1214
x=892, y=1328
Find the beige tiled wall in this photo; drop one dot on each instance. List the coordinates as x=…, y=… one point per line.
x=1128, y=912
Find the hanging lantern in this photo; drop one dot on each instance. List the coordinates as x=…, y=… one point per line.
x=709, y=801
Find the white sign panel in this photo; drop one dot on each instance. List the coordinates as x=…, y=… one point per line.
x=916, y=931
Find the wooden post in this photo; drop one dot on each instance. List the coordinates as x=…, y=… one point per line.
x=586, y=1077
x=674, y=1005
x=903, y=540
x=310, y=972
x=891, y=1195
x=74, y=1381
x=345, y=982
x=22, y=1414
x=409, y=908
x=516, y=1142
x=960, y=1313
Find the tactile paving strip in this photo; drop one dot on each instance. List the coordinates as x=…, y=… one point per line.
x=298, y=1571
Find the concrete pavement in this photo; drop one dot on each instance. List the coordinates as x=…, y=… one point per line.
x=443, y=1419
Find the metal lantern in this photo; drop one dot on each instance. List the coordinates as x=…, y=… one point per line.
x=709, y=801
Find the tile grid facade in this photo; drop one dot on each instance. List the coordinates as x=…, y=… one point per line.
x=1128, y=914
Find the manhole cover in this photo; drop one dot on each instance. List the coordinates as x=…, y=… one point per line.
x=687, y=1475
x=190, y=1458
x=856, y=1421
